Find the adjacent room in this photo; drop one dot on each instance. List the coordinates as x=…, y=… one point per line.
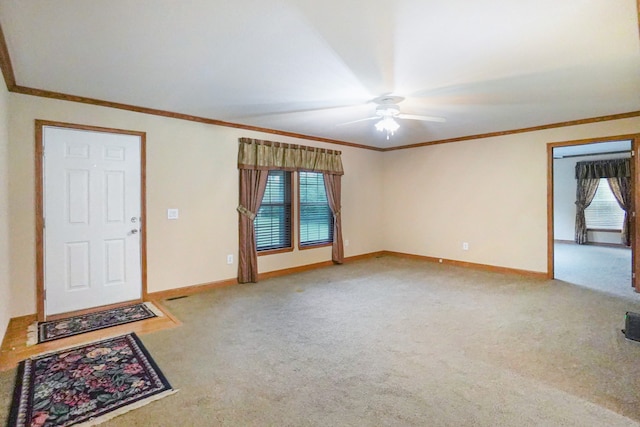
x=601, y=257
x=288, y=212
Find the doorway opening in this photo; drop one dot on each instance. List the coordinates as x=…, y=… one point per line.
x=602, y=258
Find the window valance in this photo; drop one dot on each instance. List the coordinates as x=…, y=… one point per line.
x=613, y=168
x=265, y=155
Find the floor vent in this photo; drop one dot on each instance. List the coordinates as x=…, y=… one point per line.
x=175, y=298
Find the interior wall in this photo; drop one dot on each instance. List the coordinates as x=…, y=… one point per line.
x=490, y=193
x=564, y=197
x=192, y=167
x=5, y=289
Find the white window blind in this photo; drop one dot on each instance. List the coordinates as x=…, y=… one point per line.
x=604, y=212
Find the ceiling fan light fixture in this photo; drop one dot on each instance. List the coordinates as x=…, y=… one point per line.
x=388, y=110
x=387, y=124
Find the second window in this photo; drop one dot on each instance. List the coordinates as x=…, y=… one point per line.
x=316, y=218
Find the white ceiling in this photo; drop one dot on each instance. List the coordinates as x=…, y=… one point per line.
x=306, y=66
x=616, y=147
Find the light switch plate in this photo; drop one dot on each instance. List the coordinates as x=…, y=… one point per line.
x=172, y=213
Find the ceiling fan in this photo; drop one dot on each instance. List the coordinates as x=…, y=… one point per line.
x=387, y=110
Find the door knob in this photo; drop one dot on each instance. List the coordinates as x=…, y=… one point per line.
x=134, y=231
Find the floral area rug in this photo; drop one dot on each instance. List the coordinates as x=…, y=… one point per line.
x=41, y=332
x=86, y=385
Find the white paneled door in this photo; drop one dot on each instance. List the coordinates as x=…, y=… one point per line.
x=92, y=217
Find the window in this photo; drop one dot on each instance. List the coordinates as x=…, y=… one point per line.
x=604, y=213
x=273, y=221
x=316, y=218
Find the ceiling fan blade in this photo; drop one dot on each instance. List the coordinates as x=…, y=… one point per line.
x=356, y=121
x=295, y=107
x=423, y=118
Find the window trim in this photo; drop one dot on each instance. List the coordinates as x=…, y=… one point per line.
x=275, y=251
x=289, y=248
x=605, y=230
x=305, y=247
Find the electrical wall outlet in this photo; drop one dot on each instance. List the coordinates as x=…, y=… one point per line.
x=346, y=242
x=172, y=213
x=230, y=259
x=465, y=246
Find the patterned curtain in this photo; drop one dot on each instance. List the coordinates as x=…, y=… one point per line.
x=255, y=159
x=603, y=169
x=253, y=184
x=621, y=188
x=588, y=174
x=332, y=185
x=585, y=191
x=265, y=155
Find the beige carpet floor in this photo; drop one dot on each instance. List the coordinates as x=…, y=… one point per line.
x=394, y=342
x=603, y=268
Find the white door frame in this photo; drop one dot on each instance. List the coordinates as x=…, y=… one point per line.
x=39, y=202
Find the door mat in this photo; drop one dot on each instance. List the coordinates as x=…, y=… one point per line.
x=86, y=385
x=40, y=332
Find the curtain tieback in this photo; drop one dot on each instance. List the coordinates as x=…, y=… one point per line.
x=336, y=213
x=246, y=212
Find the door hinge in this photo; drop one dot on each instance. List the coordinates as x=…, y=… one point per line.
x=44, y=294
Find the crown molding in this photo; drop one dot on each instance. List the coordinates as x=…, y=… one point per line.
x=156, y=112
x=522, y=130
x=5, y=63
x=12, y=86
x=145, y=110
